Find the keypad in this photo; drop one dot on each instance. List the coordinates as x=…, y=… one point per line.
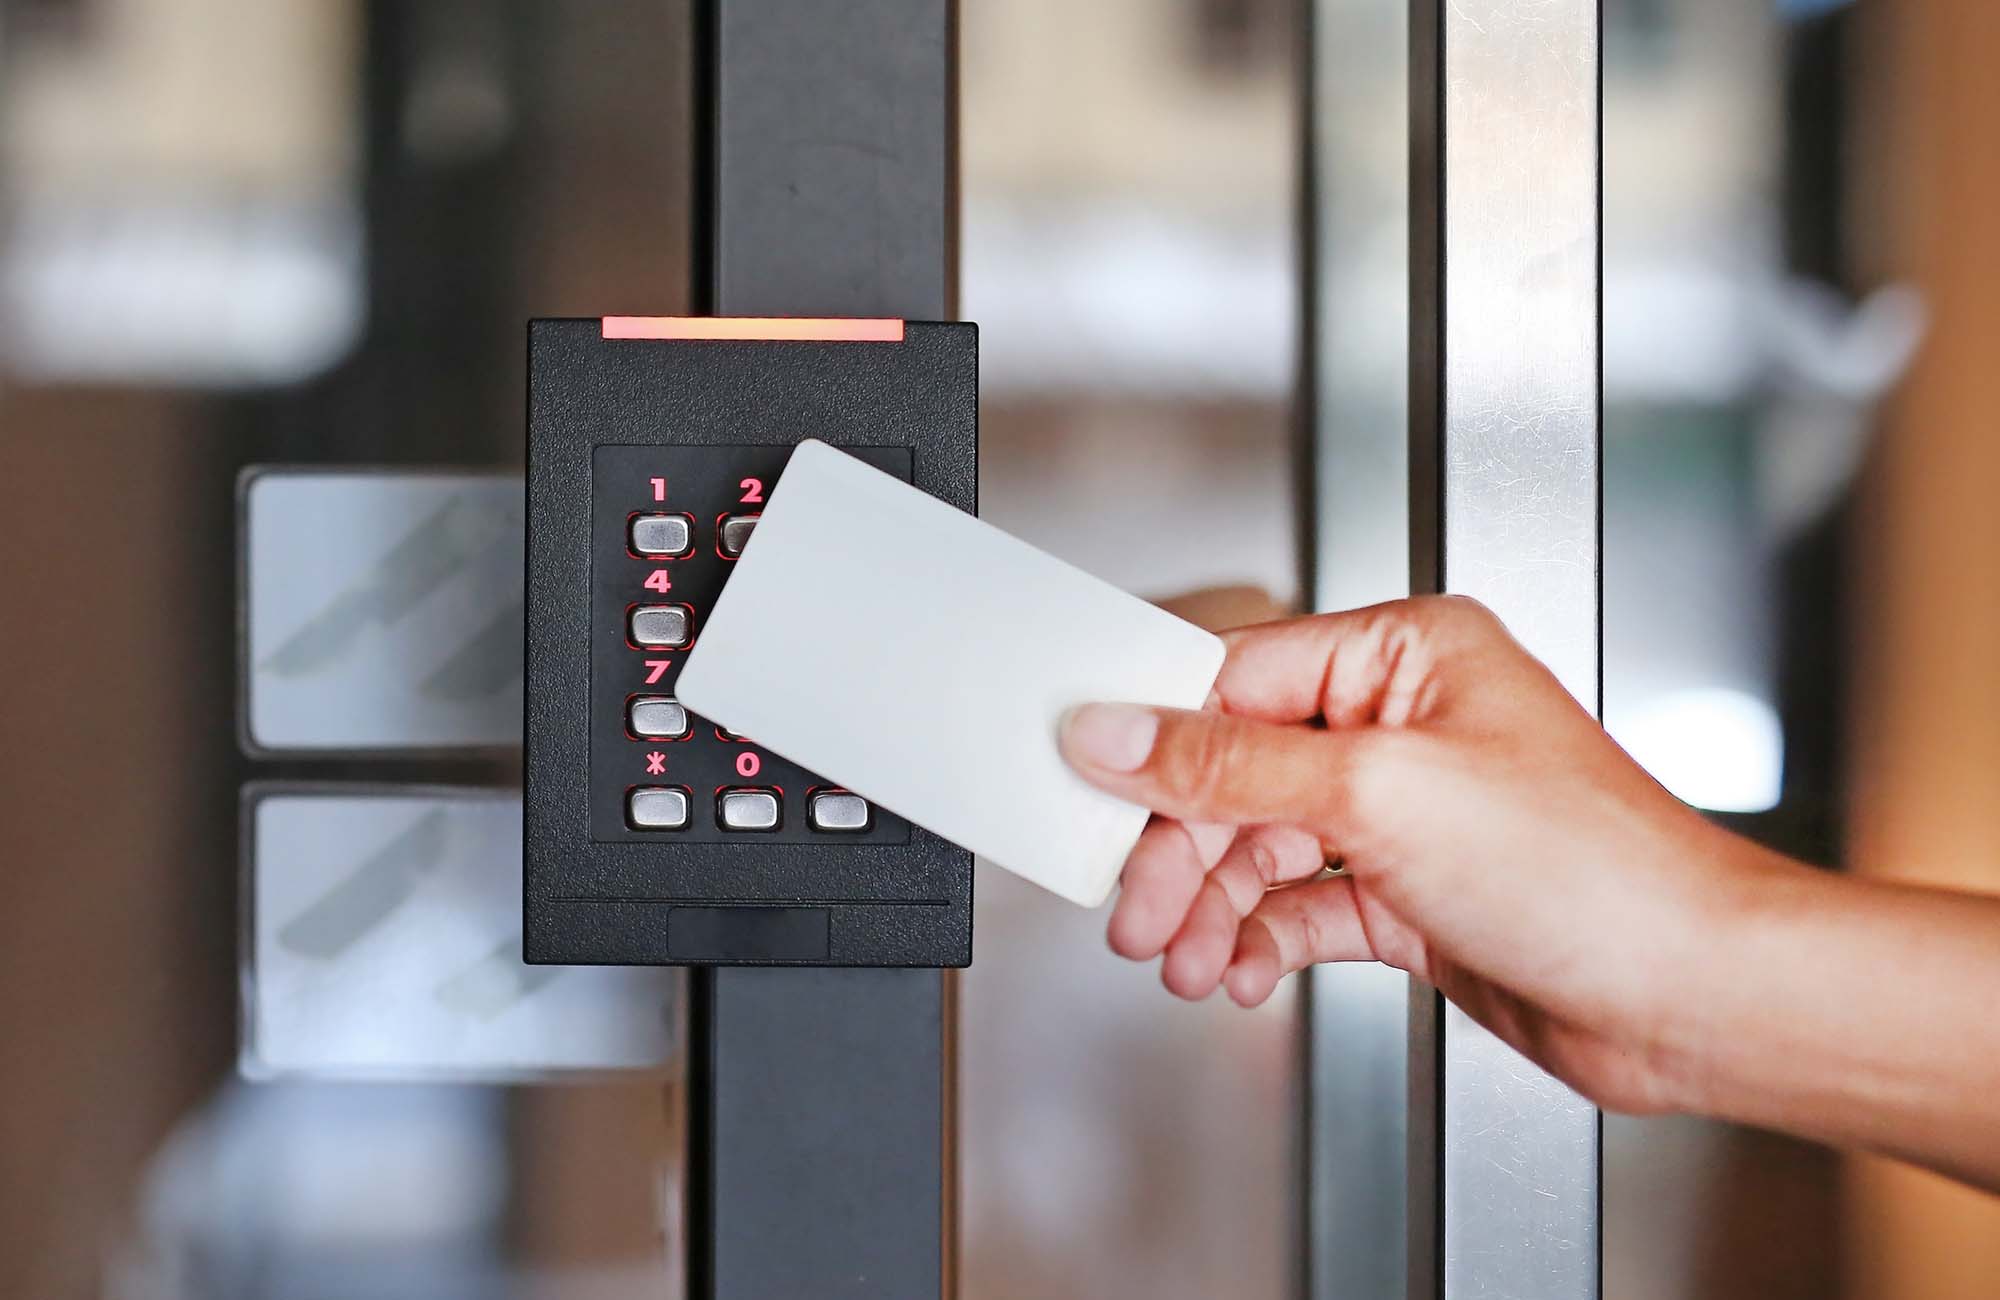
x=667, y=526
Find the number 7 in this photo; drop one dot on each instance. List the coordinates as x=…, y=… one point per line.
x=655, y=668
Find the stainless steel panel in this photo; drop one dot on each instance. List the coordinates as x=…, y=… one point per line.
x=1505, y=496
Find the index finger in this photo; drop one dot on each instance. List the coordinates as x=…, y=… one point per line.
x=1352, y=668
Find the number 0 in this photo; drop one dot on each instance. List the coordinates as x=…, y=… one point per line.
x=748, y=764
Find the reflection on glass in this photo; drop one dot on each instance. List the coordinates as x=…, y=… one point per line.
x=382, y=611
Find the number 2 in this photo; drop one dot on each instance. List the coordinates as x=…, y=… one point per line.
x=753, y=491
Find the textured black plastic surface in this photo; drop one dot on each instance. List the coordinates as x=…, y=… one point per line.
x=595, y=892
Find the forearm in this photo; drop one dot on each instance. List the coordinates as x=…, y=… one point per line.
x=1856, y=1013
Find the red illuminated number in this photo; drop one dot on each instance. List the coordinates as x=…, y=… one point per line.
x=655, y=668
x=658, y=580
x=748, y=764
x=753, y=491
x=659, y=489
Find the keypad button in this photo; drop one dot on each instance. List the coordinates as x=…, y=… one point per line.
x=735, y=532
x=663, y=535
x=837, y=810
x=659, y=717
x=749, y=810
x=662, y=627
x=657, y=808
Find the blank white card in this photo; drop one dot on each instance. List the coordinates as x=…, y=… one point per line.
x=924, y=660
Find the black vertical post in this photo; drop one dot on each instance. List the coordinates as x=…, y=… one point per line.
x=820, y=1101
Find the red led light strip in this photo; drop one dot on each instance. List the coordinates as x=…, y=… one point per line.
x=814, y=329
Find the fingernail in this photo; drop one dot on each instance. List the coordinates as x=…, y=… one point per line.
x=1116, y=737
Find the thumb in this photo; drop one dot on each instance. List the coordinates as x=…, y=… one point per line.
x=1214, y=767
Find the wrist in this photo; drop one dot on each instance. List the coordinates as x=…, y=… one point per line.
x=1740, y=919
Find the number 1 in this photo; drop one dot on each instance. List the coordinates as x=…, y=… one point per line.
x=659, y=489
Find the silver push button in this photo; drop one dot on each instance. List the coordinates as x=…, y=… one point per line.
x=735, y=534
x=837, y=810
x=750, y=810
x=657, y=808
x=665, y=627
x=657, y=716
x=667, y=535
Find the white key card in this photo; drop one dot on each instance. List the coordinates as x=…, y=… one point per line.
x=923, y=659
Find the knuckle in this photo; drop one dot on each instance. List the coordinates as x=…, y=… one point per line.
x=1312, y=938
x=1205, y=758
x=1462, y=614
x=1263, y=860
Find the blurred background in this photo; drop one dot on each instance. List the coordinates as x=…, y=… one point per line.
x=305, y=233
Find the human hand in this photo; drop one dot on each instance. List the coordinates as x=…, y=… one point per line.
x=1496, y=842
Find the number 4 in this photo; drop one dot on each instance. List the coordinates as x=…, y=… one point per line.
x=658, y=580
